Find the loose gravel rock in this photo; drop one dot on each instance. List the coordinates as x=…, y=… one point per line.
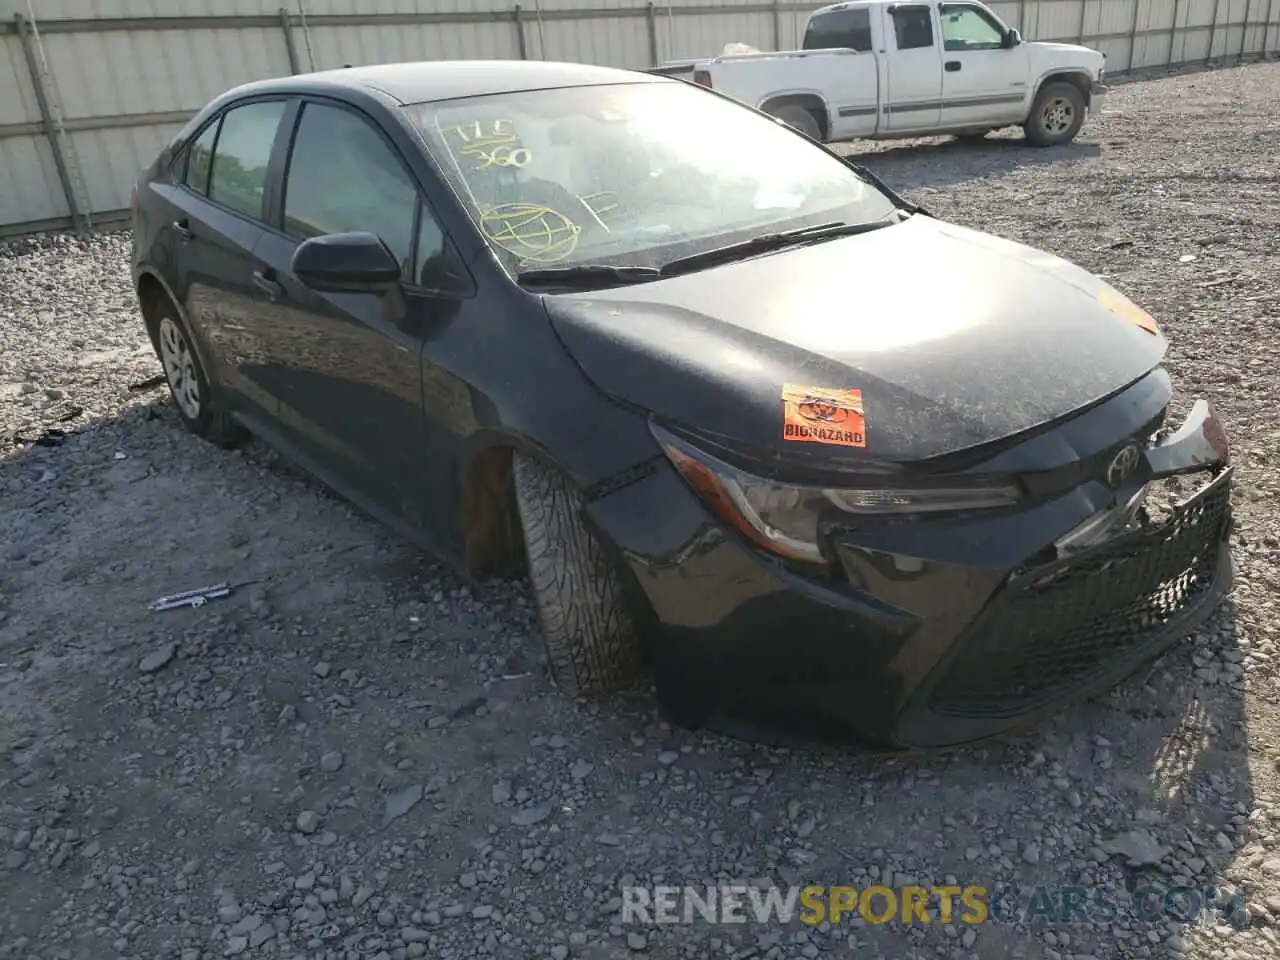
x=339, y=762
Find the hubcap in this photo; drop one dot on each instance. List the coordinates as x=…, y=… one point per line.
x=1058, y=114
x=179, y=368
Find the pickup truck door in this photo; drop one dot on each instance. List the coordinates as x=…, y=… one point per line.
x=912, y=98
x=983, y=80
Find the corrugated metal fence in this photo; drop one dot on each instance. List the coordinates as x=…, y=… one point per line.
x=91, y=89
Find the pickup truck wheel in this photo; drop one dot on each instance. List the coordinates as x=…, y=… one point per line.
x=593, y=643
x=798, y=118
x=1056, y=116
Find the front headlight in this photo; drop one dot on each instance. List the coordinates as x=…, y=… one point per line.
x=786, y=519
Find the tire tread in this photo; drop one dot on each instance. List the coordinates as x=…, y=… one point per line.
x=592, y=641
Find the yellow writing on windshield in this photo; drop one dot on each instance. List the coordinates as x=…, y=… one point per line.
x=494, y=143
x=482, y=134
x=531, y=231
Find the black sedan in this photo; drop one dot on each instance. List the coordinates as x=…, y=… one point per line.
x=826, y=463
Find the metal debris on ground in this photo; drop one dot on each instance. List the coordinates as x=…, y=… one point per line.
x=197, y=598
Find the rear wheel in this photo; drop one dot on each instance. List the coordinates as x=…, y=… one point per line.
x=798, y=118
x=1056, y=116
x=189, y=384
x=593, y=642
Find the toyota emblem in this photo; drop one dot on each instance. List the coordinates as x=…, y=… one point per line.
x=1124, y=463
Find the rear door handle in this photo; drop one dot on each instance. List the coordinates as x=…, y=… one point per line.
x=182, y=230
x=266, y=284
x=951, y=66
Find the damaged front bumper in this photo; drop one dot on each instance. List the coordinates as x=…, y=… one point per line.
x=1125, y=586
x=1199, y=444
x=946, y=630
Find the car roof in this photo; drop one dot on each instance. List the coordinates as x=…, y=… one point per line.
x=428, y=80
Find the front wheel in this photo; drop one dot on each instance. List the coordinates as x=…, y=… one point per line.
x=593, y=642
x=1056, y=115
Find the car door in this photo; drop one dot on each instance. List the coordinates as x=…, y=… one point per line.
x=983, y=79
x=913, y=98
x=351, y=390
x=218, y=223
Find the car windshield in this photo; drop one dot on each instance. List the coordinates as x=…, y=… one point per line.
x=633, y=175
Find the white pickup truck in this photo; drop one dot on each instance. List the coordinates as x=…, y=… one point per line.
x=883, y=69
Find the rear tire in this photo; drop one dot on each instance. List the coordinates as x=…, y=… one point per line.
x=1056, y=115
x=194, y=396
x=798, y=118
x=593, y=642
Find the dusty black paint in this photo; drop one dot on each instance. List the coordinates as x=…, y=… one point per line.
x=974, y=356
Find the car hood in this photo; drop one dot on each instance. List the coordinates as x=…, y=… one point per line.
x=955, y=339
x=1049, y=53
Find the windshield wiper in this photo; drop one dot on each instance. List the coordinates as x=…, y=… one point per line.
x=766, y=242
x=594, y=275
x=902, y=202
x=587, y=275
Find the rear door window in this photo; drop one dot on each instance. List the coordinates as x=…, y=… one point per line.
x=238, y=177
x=913, y=28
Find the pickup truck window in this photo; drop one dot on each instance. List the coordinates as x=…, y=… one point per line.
x=913, y=27
x=966, y=27
x=839, y=29
x=632, y=174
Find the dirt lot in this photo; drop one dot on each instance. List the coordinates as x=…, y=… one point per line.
x=361, y=757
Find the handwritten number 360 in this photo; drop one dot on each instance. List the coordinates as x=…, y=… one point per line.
x=504, y=157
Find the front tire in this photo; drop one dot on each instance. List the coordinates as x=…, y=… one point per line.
x=1056, y=115
x=193, y=395
x=592, y=641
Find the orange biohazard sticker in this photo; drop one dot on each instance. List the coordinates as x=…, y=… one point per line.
x=823, y=415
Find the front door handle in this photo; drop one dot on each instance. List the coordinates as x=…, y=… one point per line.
x=266, y=284
x=182, y=230
x=951, y=66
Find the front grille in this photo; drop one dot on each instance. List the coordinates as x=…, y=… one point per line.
x=1057, y=627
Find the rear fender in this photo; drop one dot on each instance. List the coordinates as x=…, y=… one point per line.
x=808, y=98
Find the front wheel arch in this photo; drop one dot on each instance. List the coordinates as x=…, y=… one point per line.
x=488, y=517
x=1077, y=78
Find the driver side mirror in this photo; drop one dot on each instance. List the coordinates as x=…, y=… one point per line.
x=1012, y=39
x=356, y=262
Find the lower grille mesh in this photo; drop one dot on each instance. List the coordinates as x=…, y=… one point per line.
x=1056, y=627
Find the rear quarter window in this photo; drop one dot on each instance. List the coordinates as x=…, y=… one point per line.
x=846, y=29
x=199, y=160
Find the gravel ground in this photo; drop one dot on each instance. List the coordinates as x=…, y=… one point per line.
x=361, y=757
